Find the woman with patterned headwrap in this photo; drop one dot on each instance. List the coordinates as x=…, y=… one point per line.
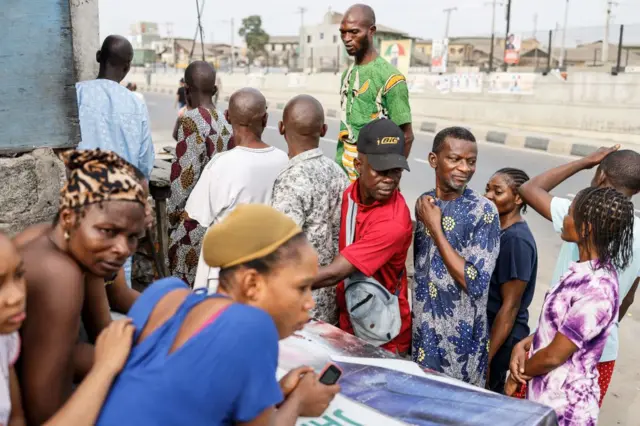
x=101, y=215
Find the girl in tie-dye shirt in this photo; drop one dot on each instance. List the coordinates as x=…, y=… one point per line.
x=578, y=311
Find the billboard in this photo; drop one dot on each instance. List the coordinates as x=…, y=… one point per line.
x=512, y=49
x=439, y=54
x=397, y=53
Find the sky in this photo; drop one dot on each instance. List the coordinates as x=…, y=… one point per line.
x=420, y=18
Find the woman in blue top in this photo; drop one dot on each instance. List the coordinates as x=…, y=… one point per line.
x=211, y=360
x=513, y=280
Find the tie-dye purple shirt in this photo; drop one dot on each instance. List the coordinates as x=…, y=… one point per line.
x=583, y=307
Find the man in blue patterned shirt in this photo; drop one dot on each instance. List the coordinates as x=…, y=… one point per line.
x=111, y=117
x=457, y=241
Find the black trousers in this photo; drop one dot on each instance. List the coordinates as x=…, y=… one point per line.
x=500, y=365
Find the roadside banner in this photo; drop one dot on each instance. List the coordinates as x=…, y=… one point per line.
x=397, y=53
x=512, y=49
x=380, y=388
x=466, y=83
x=255, y=80
x=297, y=79
x=439, y=55
x=512, y=83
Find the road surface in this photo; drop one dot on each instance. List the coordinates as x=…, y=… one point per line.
x=622, y=403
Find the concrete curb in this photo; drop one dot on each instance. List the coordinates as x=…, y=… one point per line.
x=555, y=144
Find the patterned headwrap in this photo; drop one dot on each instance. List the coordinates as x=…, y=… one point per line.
x=96, y=176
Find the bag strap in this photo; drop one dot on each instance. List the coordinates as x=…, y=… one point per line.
x=350, y=225
x=399, y=281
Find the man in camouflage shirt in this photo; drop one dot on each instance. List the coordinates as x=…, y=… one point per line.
x=309, y=190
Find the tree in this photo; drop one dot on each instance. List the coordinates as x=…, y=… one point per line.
x=254, y=36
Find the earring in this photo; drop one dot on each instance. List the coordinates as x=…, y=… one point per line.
x=66, y=236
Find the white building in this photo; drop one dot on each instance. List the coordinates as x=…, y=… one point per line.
x=282, y=50
x=321, y=47
x=143, y=34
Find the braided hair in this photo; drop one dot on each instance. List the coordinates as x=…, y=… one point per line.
x=516, y=177
x=604, y=220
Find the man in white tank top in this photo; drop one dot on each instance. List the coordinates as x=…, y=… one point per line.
x=243, y=175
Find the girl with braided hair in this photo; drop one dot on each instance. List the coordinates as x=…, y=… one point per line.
x=579, y=311
x=513, y=280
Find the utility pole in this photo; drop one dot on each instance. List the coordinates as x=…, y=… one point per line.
x=506, y=37
x=607, y=26
x=493, y=4
x=200, y=9
x=301, y=11
x=564, y=34
x=200, y=25
x=448, y=12
x=233, y=57
x=535, y=36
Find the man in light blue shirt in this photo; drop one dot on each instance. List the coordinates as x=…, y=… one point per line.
x=619, y=169
x=112, y=117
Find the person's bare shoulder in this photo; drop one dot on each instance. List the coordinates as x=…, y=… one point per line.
x=30, y=234
x=55, y=282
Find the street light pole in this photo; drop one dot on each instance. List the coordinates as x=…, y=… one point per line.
x=233, y=58
x=564, y=35
x=506, y=37
x=448, y=12
x=493, y=33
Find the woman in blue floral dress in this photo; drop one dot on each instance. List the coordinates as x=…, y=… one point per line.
x=457, y=241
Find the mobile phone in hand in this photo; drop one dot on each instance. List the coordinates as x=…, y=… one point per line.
x=330, y=374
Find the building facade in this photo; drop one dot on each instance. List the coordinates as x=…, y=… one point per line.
x=282, y=51
x=321, y=47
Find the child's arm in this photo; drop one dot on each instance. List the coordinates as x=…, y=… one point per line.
x=112, y=350
x=17, y=413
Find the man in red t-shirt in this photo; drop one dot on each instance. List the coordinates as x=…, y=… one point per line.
x=383, y=229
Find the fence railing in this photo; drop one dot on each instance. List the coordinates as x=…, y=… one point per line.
x=613, y=49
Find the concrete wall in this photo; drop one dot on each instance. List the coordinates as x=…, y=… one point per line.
x=46, y=46
x=36, y=67
x=587, y=101
x=86, y=40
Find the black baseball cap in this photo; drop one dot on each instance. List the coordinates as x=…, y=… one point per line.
x=383, y=143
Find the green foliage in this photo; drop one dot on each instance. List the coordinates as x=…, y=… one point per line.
x=254, y=36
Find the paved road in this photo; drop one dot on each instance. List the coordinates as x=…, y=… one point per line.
x=623, y=400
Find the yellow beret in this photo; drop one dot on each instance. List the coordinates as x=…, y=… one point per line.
x=251, y=231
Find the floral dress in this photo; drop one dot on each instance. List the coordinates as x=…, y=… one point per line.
x=202, y=134
x=450, y=332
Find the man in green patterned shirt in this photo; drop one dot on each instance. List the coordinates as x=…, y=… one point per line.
x=371, y=88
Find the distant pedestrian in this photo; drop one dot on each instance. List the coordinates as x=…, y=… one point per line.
x=457, y=241
x=113, y=118
x=134, y=88
x=201, y=132
x=371, y=88
x=579, y=311
x=310, y=190
x=181, y=96
x=375, y=235
x=513, y=281
x=619, y=169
